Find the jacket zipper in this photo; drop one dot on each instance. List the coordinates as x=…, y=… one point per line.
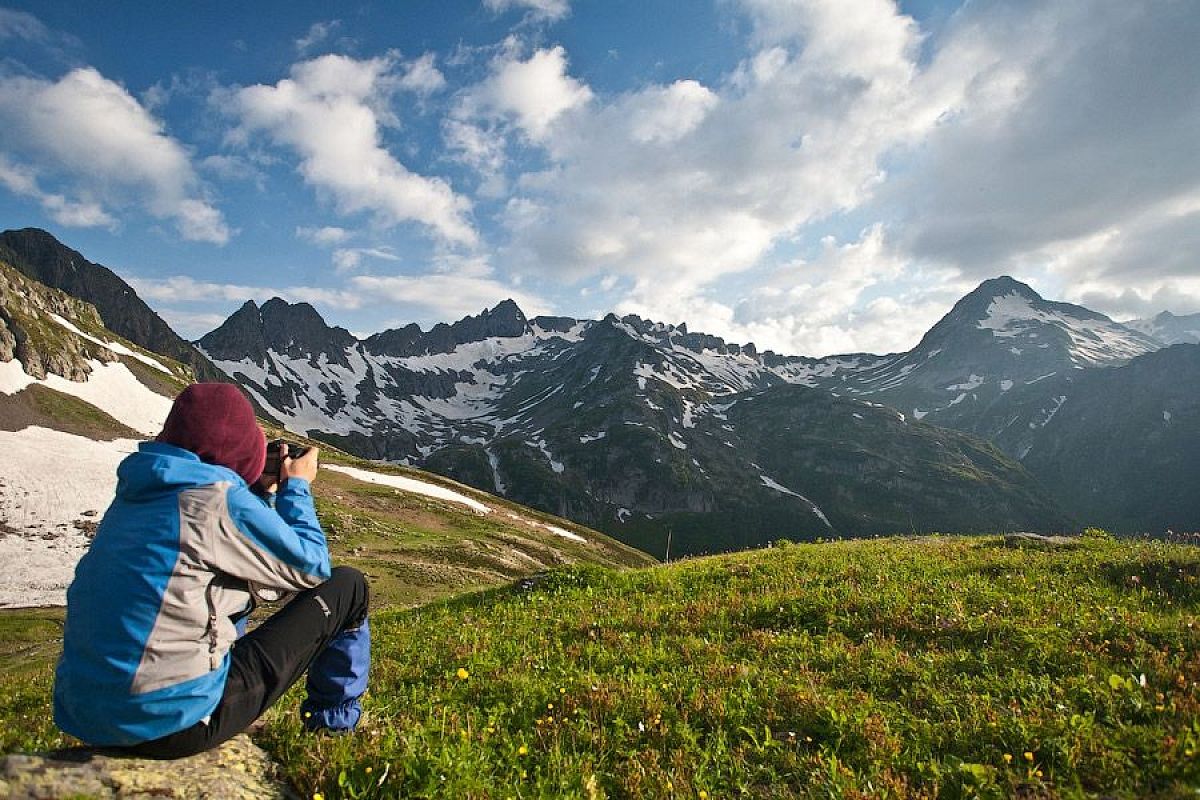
x=212, y=628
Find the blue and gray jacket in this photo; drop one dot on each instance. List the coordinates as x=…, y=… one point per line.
x=148, y=628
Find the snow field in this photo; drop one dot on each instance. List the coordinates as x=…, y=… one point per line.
x=48, y=479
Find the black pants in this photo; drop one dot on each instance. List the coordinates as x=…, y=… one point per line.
x=267, y=661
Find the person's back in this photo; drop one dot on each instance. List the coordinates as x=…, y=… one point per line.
x=147, y=660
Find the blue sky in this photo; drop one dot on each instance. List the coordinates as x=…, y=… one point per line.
x=815, y=176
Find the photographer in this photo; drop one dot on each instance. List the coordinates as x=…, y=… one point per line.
x=151, y=658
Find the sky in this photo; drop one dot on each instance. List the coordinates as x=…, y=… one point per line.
x=813, y=176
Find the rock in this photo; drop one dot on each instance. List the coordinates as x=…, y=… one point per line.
x=236, y=770
x=1037, y=541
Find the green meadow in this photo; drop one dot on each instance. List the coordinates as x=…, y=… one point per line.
x=937, y=667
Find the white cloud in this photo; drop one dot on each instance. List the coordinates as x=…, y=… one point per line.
x=20, y=25
x=532, y=93
x=1072, y=150
x=74, y=214
x=349, y=259
x=679, y=185
x=666, y=114
x=447, y=295
x=318, y=34
x=844, y=300
x=185, y=289
x=324, y=236
x=329, y=112
x=421, y=76
x=90, y=134
x=537, y=10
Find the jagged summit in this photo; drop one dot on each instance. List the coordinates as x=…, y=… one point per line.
x=296, y=329
x=1169, y=328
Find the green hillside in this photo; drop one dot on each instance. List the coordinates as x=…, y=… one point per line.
x=929, y=667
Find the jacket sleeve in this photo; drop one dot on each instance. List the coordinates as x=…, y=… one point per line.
x=281, y=548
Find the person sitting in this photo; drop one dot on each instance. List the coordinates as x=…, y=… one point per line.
x=151, y=661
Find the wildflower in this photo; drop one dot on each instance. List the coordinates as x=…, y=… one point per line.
x=491, y=729
x=522, y=750
x=561, y=690
x=550, y=705
x=318, y=796
x=307, y=714
x=1008, y=758
x=462, y=674
x=1028, y=756
x=1038, y=773
x=703, y=795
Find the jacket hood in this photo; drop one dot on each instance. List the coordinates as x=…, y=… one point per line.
x=216, y=422
x=157, y=468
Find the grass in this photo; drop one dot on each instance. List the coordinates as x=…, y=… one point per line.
x=931, y=667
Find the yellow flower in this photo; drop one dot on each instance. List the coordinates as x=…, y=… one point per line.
x=462, y=674
x=368, y=770
x=549, y=705
x=703, y=795
x=1008, y=758
x=318, y=796
x=491, y=729
x=561, y=690
x=1038, y=773
x=522, y=750
x=1028, y=756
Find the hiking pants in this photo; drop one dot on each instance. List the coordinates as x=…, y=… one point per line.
x=323, y=631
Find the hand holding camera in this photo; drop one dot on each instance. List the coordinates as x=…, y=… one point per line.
x=287, y=460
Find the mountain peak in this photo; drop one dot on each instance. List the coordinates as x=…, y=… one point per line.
x=1004, y=285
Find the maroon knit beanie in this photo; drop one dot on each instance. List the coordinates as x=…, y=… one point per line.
x=216, y=422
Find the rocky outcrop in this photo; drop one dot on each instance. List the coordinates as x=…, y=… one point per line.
x=29, y=334
x=38, y=255
x=238, y=770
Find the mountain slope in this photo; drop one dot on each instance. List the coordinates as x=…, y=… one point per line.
x=75, y=399
x=998, y=339
x=1169, y=328
x=40, y=256
x=622, y=424
x=1124, y=448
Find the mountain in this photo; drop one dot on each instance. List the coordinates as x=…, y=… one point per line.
x=973, y=370
x=641, y=429
x=40, y=256
x=1124, y=445
x=1169, y=328
x=75, y=399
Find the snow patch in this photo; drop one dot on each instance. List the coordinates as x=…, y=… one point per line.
x=777, y=486
x=563, y=532
x=411, y=485
x=112, y=388
x=540, y=445
x=592, y=437
x=494, y=461
x=48, y=480
x=116, y=347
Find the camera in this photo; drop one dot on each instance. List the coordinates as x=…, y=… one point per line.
x=275, y=456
